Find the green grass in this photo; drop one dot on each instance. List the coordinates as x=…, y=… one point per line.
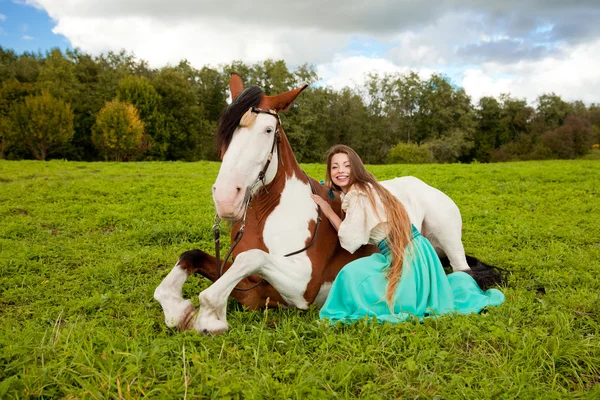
x=84, y=245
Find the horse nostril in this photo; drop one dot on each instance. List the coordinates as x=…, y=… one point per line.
x=214, y=188
x=239, y=189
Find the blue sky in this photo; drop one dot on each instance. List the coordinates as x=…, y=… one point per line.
x=26, y=28
x=487, y=47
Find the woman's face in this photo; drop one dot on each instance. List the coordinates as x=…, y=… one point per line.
x=340, y=170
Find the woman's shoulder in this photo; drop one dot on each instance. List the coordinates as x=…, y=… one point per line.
x=353, y=196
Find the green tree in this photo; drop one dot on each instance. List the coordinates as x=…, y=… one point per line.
x=451, y=147
x=516, y=118
x=181, y=119
x=57, y=75
x=138, y=90
x=11, y=92
x=490, y=128
x=119, y=131
x=409, y=153
x=442, y=109
x=552, y=111
x=43, y=123
x=8, y=59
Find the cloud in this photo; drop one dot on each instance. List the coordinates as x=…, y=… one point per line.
x=2, y=17
x=574, y=77
x=27, y=37
x=505, y=51
x=490, y=46
x=353, y=71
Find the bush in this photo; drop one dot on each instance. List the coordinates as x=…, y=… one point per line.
x=409, y=153
x=449, y=148
x=574, y=138
x=41, y=123
x=119, y=132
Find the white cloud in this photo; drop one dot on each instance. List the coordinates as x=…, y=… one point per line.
x=2, y=17
x=352, y=71
x=492, y=47
x=574, y=78
x=200, y=41
x=26, y=37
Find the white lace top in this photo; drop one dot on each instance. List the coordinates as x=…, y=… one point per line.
x=362, y=224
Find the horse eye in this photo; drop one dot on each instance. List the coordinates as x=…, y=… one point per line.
x=269, y=130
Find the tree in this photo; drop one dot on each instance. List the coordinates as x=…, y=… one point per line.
x=119, y=131
x=574, y=138
x=139, y=91
x=516, y=118
x=552, y=112
x=57, y=75
x=409, y=153
x=11, y=92
x=8, y=59
x=452, y=147
x=490, y=128
x=43, y=123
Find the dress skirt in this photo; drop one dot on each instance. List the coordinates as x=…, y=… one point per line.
x=424, y=289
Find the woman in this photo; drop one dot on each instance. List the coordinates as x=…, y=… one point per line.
x=406, y=279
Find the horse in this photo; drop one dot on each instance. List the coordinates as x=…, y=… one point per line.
x=282, y=253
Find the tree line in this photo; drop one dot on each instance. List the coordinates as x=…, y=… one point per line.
x=75, y=106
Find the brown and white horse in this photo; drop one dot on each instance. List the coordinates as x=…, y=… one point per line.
x=285, y=256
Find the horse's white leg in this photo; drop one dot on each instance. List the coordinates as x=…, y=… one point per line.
x=436, y=216
x=169, y=295
x=442, y=225
x=288, y=275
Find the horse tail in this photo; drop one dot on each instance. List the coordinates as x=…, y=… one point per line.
x=485, y=275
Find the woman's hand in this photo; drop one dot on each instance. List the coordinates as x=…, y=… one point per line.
x=321, y=202
x=327, y=210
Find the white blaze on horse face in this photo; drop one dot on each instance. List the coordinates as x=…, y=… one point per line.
x=245, y=158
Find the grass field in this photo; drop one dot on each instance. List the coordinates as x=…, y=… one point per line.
x=83, y=246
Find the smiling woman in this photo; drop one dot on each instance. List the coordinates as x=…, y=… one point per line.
x=408, y=273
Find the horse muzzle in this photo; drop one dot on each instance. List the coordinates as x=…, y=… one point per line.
x=230, y=202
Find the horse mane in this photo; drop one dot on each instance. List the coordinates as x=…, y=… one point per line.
x=230, y=119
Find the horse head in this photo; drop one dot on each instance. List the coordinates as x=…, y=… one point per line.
x=248, y=140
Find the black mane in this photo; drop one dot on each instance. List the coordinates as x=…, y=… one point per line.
x=230, y=119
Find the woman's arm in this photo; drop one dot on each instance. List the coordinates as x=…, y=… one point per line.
x=327, y=211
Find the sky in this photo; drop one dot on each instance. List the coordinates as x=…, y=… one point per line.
x=522, y=47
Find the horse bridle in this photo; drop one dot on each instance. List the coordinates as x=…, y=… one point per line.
x=246, y=204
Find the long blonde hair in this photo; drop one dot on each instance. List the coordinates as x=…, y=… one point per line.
x=398, y=222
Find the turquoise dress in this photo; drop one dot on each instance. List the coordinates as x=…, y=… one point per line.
x=424, y=289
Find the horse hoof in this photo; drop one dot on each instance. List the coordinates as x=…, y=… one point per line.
x=212, y=327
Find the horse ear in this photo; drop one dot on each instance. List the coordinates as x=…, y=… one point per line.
x=236, y=86
x=282, y=101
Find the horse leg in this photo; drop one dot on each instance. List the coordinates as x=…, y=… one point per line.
x=443, y=227
x=177, y=310
x=288, y=275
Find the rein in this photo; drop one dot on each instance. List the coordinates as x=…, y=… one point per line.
x=248, y=199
